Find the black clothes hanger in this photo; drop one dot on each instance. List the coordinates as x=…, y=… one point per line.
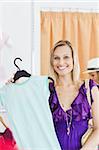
x=20, y=73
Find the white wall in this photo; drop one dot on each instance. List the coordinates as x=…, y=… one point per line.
x=16, y=22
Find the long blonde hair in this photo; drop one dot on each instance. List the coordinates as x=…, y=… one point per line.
x=76, y=68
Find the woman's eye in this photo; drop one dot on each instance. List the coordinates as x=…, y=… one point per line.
x=56, y=58
x=66, y=57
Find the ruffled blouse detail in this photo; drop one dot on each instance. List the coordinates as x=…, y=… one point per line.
x=80, y=106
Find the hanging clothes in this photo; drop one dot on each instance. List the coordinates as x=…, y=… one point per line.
x=29, y=114
x=7, y=141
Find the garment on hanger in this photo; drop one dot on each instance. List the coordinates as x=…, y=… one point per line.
x=7, y=141
x=29, y=114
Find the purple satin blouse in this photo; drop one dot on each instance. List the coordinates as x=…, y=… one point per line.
x=71, y=125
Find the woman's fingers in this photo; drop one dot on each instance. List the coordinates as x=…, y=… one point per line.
x=10, y=80
x=1, y=119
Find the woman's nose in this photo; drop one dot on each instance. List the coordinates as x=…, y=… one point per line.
x=61, y=62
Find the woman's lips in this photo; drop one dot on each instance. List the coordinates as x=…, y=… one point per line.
x=62, y=68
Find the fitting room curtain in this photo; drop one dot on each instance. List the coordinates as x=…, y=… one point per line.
x=81, y=29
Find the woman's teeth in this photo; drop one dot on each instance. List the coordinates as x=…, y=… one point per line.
x=62, y=68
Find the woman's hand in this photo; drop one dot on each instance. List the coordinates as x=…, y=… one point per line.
x=10, y=80
x=91, y=148
x=1, y=119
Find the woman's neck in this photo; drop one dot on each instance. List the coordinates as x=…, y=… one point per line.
x=64, y=80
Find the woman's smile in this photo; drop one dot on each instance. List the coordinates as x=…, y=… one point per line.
x=62, y=68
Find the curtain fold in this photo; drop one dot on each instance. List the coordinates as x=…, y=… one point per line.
x=81, y=29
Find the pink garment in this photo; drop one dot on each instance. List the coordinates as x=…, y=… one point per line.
x=7, y=141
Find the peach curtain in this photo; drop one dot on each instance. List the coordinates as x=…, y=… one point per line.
x=81, y=29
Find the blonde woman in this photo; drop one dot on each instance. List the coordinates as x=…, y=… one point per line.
x=68, y=101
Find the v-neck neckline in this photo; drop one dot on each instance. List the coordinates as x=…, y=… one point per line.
x=70, y=108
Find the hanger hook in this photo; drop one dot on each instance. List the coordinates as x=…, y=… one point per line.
x=15, y=62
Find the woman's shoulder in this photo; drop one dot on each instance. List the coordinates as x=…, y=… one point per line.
x=51, y=84
x=79, y=84
x=51, y=80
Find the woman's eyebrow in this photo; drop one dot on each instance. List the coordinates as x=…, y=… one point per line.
x=66, y=55
x=59, y=56
x=56, y=56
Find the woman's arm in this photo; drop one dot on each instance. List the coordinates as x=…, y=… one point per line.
x=93, y=141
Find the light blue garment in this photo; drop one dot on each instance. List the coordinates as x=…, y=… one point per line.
x=29, y=113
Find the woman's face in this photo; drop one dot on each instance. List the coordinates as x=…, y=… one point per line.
x=62, y=60
x=94, y=76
